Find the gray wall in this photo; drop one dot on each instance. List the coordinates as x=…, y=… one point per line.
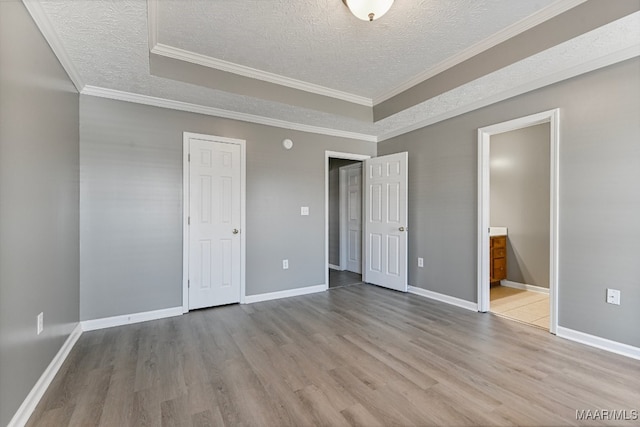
x=334, y=208
x=131, y=204
x=520, y=200
x=39, y=258
x=599, y=198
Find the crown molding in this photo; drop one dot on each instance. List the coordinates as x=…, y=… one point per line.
x=594, y=64
x=44, y=25
x=241, y=70
x=152, y=22
x=521, y=26
x=219, y=112
x=586, y=67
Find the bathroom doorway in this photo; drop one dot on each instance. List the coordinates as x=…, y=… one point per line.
x=517, y=219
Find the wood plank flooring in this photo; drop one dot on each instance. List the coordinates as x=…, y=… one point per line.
x=355, y=355
x=521, y=305
x=339, y=278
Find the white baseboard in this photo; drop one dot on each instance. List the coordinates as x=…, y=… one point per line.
x=33, y=398
x=250, y=299
x=336, y=267
x=444, y=298
x=126, y=319
x=517, y=285
x=598, y=342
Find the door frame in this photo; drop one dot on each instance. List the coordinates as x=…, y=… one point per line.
x=185, y=210
x=335, y=155
x=344, y=201
x=484, y=138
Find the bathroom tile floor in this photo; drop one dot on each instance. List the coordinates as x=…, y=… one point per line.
x=520, y=305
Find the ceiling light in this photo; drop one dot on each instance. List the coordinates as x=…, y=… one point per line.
x=368, y=10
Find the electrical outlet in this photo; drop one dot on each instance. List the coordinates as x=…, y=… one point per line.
x=613, y=296
x=420, y=262
x=304, y=210
x=40, y=323
x=285, y=264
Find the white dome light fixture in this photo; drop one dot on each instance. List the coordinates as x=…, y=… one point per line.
x=368, y=10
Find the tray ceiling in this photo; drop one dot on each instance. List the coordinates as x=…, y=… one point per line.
x=320, y=42
x=317, y=44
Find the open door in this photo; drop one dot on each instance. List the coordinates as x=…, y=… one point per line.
x=385, y=222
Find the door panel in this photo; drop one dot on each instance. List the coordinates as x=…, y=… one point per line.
x=214, y=210
x=385, y=222
x=354, y=219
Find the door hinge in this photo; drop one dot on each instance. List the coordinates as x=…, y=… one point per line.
x=189, y=157
x=188, y=220
x=188, y=283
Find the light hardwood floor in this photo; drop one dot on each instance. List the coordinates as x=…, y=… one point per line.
x=355, y=355
x=524, y=306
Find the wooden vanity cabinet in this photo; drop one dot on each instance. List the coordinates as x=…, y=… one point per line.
x=498, y=264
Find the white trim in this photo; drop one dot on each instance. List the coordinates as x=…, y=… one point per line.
x=443, y=298
x=347, y=156
x=601, y=62
x=253, y=73
x=598, y=342
x=46, y=28
x=127, y=319
x=230, y=67
x=29, y=404
x=219, y=112
x=186, y=137
x=243, y=222
x=343, y=201
x=186, y=190
x=250, y=299
x=586, y=67
x=524, y=287
x=484, y=137
x=512, y=30
x=336, y=267
x=152, y=22
x=341, y=217
x=336, y=155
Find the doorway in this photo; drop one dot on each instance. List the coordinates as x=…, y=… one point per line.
x=517, y=219
x=213, y=221
x=344, y=232
x=384, y=218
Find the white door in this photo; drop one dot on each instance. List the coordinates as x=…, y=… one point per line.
x=354, y=218
x=385, y=225
x=214, y=223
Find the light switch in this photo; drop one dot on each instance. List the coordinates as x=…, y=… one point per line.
x=304, y=210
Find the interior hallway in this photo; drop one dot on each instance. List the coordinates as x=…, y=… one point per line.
x=339, y=278
x=520, y=305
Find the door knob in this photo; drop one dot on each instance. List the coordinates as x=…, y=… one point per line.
x=235, y=231
x=401, y=228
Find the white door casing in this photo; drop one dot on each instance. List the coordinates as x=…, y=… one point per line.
x=484, y=137
x=332, y=155
x=215, y=220
x=353, y=218
x=385, y=222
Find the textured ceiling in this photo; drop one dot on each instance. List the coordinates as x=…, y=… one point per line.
x=320, y=42
x=107, y=43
